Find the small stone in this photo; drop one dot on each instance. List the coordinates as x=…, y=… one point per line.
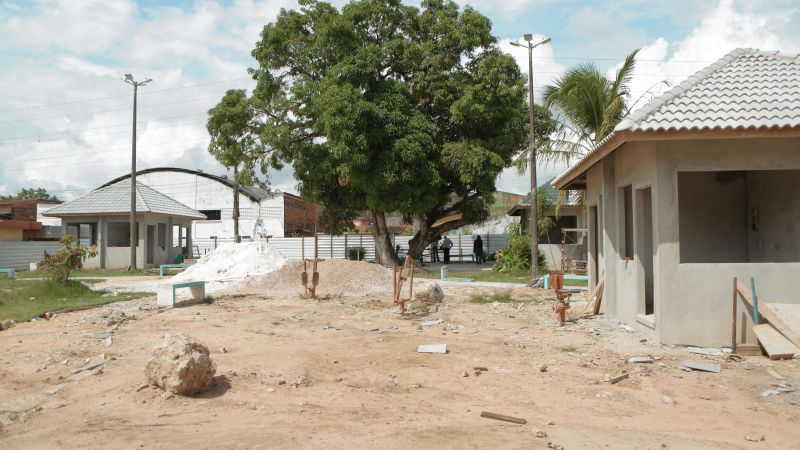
x=667, y=400
x=224, y=350
x=540, y=433
x=551, y=422
x=281, y=382
x=543, y=368
x=754, y=437
x=270, y=390
x=465, y=374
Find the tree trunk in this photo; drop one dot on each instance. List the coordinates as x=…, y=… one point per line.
x=236, y=237
x=425, y=235
x=384, y=250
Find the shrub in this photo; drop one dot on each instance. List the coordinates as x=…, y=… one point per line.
x=517, y=254
x=355, y=253
x=70, y=256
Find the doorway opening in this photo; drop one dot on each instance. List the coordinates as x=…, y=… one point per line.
x=644, y=250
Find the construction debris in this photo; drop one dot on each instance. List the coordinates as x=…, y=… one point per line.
x=430, y=323
x=181, y=365
x=618, y=378
x=432, y=348
x=708, y=351
x=701, y=366
x=640, y=360
x=495, y=416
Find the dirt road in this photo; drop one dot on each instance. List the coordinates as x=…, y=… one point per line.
x=344, y=373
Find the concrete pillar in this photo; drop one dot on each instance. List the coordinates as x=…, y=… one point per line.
x=170, y=256
x=180, y=237
x=102, y=238
x=189, y=251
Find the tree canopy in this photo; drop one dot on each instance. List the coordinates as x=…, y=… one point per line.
x=391, y=108
x=30, y=194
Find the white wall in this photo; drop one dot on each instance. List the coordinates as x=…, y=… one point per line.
x=202, y=193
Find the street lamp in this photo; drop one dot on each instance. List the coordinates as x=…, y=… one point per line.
x=532, y=155
x=129, y=79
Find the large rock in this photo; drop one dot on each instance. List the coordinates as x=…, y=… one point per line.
x=180, y=365
x=433, y=294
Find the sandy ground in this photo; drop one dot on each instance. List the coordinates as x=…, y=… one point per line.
x=343, y=372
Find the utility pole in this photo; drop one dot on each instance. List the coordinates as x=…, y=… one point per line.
x=532, y=155
x=236, y=237
x=129, y=79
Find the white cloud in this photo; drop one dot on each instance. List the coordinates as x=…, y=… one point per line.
x=728, y=26
x=508, y=7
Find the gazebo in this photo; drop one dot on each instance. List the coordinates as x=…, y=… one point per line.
x=102, y=218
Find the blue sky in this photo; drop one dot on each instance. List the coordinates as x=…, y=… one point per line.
x=65, y=113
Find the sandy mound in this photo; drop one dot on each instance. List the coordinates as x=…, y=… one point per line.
x=336, y=277
x=230, y=264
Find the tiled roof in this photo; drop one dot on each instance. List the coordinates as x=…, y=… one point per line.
x=747, y=89
x=116, y=199
x=550, y=191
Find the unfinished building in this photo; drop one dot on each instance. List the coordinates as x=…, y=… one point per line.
x=695, y=188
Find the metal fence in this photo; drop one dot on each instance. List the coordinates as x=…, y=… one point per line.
x=335, y=247
x=18, y=255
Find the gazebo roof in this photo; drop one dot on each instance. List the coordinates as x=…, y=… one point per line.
x=115, y=199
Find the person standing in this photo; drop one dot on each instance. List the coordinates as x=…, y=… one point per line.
x=477, y=249
x=447, y=244
x=435, y=250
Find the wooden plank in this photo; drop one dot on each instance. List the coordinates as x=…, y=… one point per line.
x=772, y=317
x=790, y=316
x=748, y=350
x=774, y=343
x=495, y=416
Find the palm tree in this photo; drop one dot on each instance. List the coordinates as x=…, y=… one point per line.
x=588, y=107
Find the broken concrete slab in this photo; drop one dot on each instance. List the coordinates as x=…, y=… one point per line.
x=775, y=374
x=430, y=323
x=618, y=378
x=432, y=348
x=701, y=366
x=640, y=360
x=708, y=351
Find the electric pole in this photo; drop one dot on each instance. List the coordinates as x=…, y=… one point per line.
x=133, y=241
x=532, y=155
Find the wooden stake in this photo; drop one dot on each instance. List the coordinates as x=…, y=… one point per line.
x=733, y=326
x=495, y=416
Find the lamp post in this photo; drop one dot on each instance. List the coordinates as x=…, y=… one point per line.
x=129, y=79
x=532, y=155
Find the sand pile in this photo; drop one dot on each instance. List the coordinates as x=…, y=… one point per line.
x=336, y=277
x=230, y=265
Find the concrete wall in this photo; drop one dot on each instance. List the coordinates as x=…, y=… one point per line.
x=692, y=301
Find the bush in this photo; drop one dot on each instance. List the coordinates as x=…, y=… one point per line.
x=355, y=253
x=517, y=254
x=69, y=257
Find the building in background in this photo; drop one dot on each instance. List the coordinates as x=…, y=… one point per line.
x=22, y=220
x=262, y=211
x=101, y=218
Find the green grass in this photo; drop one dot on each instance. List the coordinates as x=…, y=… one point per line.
x=22, y=300
x=482, y=275
x=500, y=297
x=569, y=349
x=94, y=273
x=579, y=283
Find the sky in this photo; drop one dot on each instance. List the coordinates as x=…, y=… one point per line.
x=65, y=112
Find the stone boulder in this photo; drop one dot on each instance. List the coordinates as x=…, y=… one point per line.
x=433, y=294
x=180, y=365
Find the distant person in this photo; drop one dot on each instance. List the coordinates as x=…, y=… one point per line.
x=447, y=244
x=477, y=248
x=435, y=251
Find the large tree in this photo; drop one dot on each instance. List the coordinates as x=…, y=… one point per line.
x=391, y=108
x=30, y=194
x=234, y=127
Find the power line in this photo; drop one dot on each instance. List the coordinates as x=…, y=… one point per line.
x=108, y=110
x=123, y=96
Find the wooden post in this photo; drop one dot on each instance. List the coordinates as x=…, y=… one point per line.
x=733, y=326
x=755, y=300
x=394, y=283
x=345, y=246
x=411, y=283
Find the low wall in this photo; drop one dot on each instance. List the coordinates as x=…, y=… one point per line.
x=18, y=255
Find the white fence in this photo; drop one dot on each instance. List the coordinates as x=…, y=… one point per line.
x=335, y=247
x=18, y=255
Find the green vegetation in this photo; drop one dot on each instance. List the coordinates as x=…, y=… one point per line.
x=22, y=300
x=384, y=107
x=499, y=297
x=93, y=273
x=516, y=256
x=30, y=194
x=70, y=256
x=569, y=349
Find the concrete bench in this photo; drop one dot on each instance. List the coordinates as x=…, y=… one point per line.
x=566, y=277
x=9, y=273
x=166, y=292
x=170, y=266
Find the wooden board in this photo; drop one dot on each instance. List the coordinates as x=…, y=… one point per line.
x=790, y=316
x=775, y=319
x=775, y=344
